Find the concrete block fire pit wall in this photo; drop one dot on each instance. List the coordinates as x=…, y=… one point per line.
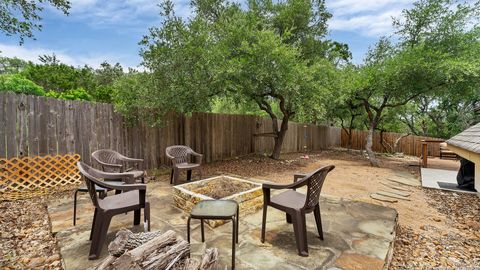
x=247, y=193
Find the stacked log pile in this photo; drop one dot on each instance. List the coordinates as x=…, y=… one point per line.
x=154, y=250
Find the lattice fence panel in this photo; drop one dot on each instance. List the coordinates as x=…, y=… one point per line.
x=25, y=177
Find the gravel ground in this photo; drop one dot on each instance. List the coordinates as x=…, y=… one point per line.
x=436, y=247
x=26, y=241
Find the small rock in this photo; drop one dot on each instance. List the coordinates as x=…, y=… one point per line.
x=54, y=257
x=35, y=262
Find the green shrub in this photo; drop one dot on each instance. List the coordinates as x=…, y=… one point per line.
x=73, y=94
x=52, y=94
x=19, y=84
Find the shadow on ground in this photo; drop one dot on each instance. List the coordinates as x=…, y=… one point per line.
x=358, y=235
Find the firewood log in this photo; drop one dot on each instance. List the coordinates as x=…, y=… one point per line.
x=165, y=260
x=133, y=258
x=125, y=240
x=162, y=252
x=209, y=260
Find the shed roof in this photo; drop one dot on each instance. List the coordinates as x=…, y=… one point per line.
x=468, y=139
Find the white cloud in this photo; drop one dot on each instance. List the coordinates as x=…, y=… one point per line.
x=32, y=54
x=367, y=17
x=128, y=13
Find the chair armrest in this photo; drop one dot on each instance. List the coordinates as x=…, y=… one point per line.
x=125, y=176
x=120, y=186
x=136, y=161
x=172, y=158
x=127, y=159
x=123, y=187
x=198, y=157
x=275, y=186
x=298, y=176
x=118, y=166
x=294, y=185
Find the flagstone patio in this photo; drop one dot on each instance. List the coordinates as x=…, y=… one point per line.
x=358, y=235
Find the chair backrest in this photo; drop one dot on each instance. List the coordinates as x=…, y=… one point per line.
x=107, y=156
x=89, y=176
x=314, y=186
x=178, y=152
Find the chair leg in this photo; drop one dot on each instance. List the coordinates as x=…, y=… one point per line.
x=189, y=175
x=238, y=223
x=136, y=217
x=75, y=207
x=102, y=221
x=102, y=194
x=93, y=223
x=318, y=220
x=203, y=230
x=264, y=222
x=234, y=241
x=188, y=229
x=97, y=243
x=146, y=215
x=175, y=176
x=289, y=218
x=300, y=230
x=171, y=177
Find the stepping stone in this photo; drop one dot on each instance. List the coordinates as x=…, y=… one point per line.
x=405, y=181
x=397, y=192
x=382, y=198
x=394, y=186
x=393, y=195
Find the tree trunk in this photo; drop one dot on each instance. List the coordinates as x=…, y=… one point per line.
x=277, y=148
x=368, y=146
x=350, y=139
x=397, y=141
x=384, y=143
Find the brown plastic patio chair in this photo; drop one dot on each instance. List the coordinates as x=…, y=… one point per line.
x=133, y=198
x=181, y=157
x=296, y=204
x=117, y=178
x=112, y=161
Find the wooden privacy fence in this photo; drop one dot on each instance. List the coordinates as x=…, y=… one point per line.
x=300, y=137
x=410, y=145
x=39, y=126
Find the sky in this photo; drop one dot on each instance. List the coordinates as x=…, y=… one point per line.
x=109, y=30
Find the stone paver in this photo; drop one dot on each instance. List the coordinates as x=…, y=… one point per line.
x=357, y=235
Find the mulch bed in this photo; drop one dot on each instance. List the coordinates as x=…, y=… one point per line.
x=221, y=188
x=445, y=249
x=254, y=165
x=26, y=240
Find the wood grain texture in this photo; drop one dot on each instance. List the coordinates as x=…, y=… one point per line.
x=410, y=145
x=39, y=126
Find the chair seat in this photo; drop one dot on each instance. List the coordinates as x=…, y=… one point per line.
x=215, y=209
x=290, y=199
x=122, y=200
x=98, y=188
x=187, y=165
x=137, y=174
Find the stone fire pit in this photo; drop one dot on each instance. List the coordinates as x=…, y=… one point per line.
x=247, y=193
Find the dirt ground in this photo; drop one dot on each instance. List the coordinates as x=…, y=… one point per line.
x=436, y=229
x=352, y=178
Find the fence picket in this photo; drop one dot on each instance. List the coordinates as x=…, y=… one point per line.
x=47, y=125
